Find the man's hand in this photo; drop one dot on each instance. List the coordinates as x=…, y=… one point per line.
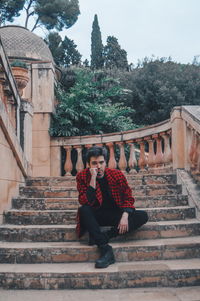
x=94, y=172
x=123, y=224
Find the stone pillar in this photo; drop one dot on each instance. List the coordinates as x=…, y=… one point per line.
x=42, y=83
x=55, y=161
x=178, y=139
x=26, y=119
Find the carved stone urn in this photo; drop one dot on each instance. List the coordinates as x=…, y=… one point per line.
x=21, y=78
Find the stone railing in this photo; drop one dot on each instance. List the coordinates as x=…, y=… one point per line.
x=190, y=116
x=144, y=149
x=9, y=91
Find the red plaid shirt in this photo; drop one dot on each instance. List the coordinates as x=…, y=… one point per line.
x=119, y=188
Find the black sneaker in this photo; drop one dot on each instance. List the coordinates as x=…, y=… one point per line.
x=107, y=257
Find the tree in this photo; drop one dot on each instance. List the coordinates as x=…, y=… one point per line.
x=54, y=14
x=71, y=54
x=157, y=86
x=64, y=52
x=114, y=56
x=54, y=42
x=87, y=107
x=96, y=46
x=10, y=9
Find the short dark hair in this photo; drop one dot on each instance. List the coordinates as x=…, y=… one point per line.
x=96, y=151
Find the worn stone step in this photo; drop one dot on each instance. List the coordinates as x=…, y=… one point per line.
x=162, y=273
x=44, y=217
x=64, y=192
x=72, y=203
x=132, y=178
x=61, y=233
x=159, y=249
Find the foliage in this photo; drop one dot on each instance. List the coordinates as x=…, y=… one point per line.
x=71, y=54
x=54, y=14
x=54, y=42
x=10, y=9
x=88, y=109
x=157, y=86
x=18, y=63
x=114, y=56
x=97, y=61
x=64, y=52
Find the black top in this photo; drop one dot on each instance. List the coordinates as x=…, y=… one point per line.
x=108, y=201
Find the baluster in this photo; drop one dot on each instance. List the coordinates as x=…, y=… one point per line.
x=195, y=153
x=79, y=163
x=122, y=160
x=88, y=146
x=198, y=151
x=192, y=148
x=151, y=156
x=159, y=153
x=68, y=163
x=112, y=162
x=167, y=156
x=132, y=163
x=142, y=160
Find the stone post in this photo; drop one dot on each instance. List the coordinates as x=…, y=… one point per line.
x=55, y=161
x=43, y=102
x=178, y=139
x=26, y=137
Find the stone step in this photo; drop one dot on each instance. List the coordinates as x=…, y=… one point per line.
x=57, y=217
x=162, y=273
x=72, y=203
x=62, y=233
x=160, y=249
x=132, y=179
x=65, y=192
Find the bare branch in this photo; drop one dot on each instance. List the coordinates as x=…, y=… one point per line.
x=28, y=14
x=36, y=24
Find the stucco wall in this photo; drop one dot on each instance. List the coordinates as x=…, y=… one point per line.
x=43, y=104
x=10, y=175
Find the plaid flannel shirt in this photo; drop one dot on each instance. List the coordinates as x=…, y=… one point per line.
x=119, y=188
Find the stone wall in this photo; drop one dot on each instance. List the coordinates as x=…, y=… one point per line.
x=43, y=104
x=10, y=175
x=13, y=164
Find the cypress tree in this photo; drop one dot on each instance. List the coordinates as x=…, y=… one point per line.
x=97, y=61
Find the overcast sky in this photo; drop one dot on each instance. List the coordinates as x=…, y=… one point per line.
x=143, y=27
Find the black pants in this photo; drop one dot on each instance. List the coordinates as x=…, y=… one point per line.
x=91, y=219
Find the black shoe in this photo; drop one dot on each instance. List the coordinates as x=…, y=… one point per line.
x=107, y=257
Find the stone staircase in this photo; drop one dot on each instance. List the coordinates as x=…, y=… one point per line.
x=39, y=249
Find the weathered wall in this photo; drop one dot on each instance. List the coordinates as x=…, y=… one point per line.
x=13, y=163
x=43, y=103
x=10, y=175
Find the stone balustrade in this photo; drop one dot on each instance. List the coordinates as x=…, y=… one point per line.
x=191, y=120
x=146, y=149
x=9, y=92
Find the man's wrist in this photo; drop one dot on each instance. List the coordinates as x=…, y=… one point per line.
x=125, y=214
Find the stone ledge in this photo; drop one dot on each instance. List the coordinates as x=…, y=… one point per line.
x=190, y=188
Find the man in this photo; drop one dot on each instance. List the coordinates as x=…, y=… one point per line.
x=106, y=200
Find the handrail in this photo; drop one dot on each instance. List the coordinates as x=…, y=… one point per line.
x=152, y=142
x=191, y=119
x=12, y=85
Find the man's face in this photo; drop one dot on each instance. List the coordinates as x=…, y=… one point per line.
x=99, y=163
